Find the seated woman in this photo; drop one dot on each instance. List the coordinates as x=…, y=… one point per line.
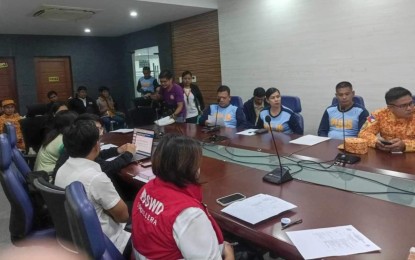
x=282, y=118
x=193, y=98
x=107, y=110
x=52, y=145
x=176, y=225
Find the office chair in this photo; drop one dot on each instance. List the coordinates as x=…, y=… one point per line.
x=85, y=227
x=141, y=116
x=54, y=198
x=356, y=99
x=22, y=227
x=237, y=101
x=36, y=110
x=294, y=103
x=20, y=161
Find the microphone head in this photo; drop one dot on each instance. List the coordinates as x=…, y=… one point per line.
x=268, y=119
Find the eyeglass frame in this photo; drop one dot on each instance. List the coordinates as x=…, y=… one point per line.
x=403, y=106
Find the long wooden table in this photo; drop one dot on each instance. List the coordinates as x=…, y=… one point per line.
x=387, y=224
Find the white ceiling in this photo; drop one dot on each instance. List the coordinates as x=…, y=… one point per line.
x=112, y=20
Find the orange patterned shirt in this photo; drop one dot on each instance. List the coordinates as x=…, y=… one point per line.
x=385, y=123
x=14, y=119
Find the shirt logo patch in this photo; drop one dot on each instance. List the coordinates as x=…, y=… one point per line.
x=171, y=97
x=371, y=119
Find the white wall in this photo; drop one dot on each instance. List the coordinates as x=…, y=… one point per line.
x=305, y=47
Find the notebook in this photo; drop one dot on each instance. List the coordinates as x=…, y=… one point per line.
x=143, y=140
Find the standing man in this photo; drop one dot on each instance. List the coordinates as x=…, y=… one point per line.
x=53, y=98
x=172, y=97
x=147, y=84
x=392, y=129
x=232, y=116
x=81, y=142
x=82, y=103
x=253, y=106
x=354, y=115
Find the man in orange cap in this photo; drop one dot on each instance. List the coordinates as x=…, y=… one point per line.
x=9, y=115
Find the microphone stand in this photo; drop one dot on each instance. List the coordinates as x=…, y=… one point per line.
x=344, y=158
x=279, y=175
x=214, y=137
x=157, y=132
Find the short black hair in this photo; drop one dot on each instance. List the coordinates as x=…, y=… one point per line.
x=166, y=74
x=259, y=92
x=146, y=68
x=271, y=91
x=396, y=93
x=223, y=88
x=56, y=106
x=89, y=116
x=52, y=92
x=81, y=88
x=177, y=160
x=62, y=121
x=186, y=73
x=344, y=84
x=103, y=88
x=81, y=138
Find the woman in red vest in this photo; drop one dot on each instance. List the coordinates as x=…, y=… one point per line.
x=169, y=219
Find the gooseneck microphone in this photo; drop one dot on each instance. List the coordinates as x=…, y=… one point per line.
x=214, y=137
x=157, y=131
x=342, y=157
x=279, y=175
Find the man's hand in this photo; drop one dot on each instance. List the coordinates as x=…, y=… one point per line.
x=126, y=148
x=397, y=145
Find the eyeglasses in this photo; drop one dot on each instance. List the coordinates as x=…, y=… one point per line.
x=403, y=106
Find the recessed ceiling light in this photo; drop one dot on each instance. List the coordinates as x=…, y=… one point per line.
x=133, y=14
x=87, y=30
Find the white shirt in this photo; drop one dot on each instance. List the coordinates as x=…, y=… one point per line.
x=100, y=192
x=187, y=230
x=189, y=101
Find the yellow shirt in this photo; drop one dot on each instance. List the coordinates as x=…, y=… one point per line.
x=14, y=119
x=385, y=123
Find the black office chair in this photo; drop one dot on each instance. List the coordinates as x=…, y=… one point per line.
x=54, y=198
x=85, y=227
x=22, y=225
x=36, y=110
x=141, y=116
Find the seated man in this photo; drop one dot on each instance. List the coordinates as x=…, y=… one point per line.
x=10, y=116
x=82, y=103
x=253, y=106
x=392, y=128
x=231, y=115
x=354, y=115
x=81, y=142
x=53, y=98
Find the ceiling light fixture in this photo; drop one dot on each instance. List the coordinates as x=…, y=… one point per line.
x=87, y=30
x=133, y=14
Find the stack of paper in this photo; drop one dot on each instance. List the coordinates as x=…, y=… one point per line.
x=164, y=121
x=258, y=208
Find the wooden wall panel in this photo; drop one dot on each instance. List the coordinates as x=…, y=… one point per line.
x=195, y=44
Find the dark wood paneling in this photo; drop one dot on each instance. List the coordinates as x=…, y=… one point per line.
x=195, y=44
x=8, y=89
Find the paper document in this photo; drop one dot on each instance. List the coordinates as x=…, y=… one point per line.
x=258, y=208
x=309, y=140
x=145, y=175
x=333, y=241
x=107, y=146
x=122, y=131
x=247, y=132
x=213, y=120
x=164, y=121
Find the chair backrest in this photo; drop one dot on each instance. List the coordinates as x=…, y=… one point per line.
x=237, y=101
x=141, y=116
x=85, y=226
x=54, y=198
x=356, y=99
x=22, y=212
x=292, y=102
x=17, y=157
x=36, y=110
x=33, y=131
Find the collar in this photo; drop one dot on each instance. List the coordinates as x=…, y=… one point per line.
x=84, y=163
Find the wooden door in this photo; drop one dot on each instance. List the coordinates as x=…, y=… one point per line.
x=8, y=88
x=53, y=74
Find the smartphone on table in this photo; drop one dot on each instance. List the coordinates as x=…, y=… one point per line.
x=229, y=199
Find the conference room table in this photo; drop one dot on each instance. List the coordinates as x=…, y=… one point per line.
x=387, y=220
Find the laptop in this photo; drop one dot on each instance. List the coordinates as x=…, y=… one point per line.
x=143, y=140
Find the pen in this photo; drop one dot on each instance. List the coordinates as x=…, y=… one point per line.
x=292, y=223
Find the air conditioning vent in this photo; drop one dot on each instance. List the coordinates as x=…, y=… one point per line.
x=64, y=13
